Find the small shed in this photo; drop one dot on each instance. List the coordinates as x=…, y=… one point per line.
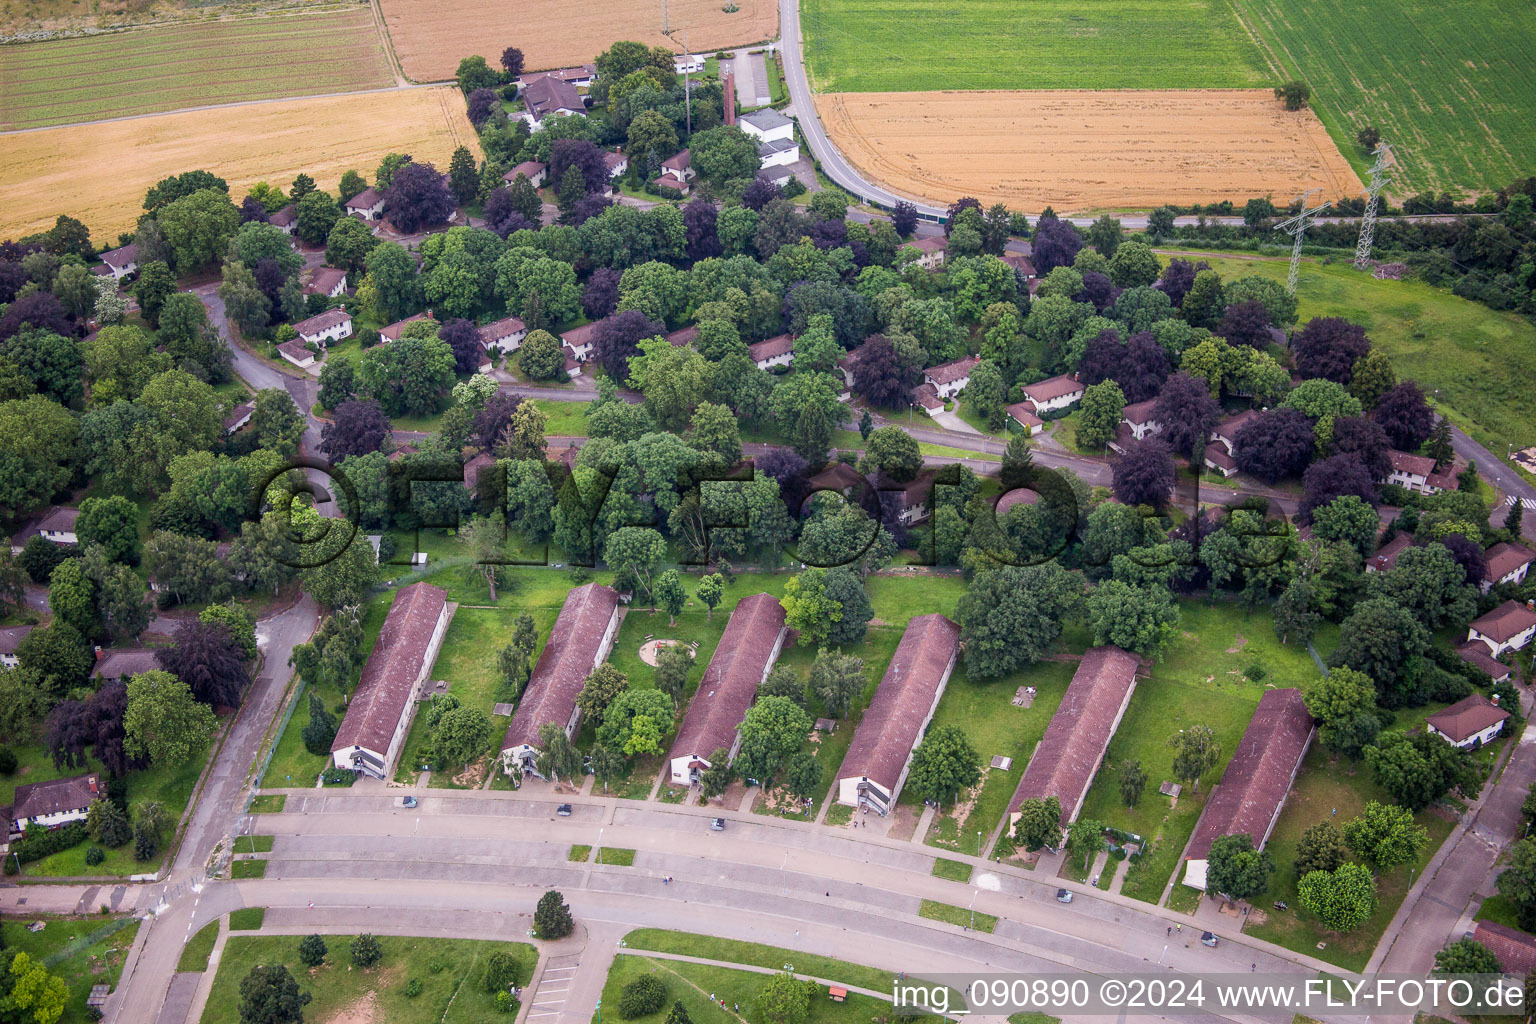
x=837, y=993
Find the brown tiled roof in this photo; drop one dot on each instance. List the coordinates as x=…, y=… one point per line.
x=1507, y=620
x=1140, y=412
x=1415, y=465
x=567, y=659
x=1467, y=717
x=916, y=493
x=1475, y=653
x=388, y=683
x=1017, y=496
x=59, y=519
x=548, y=93
x=930, y=245
x=613, y=161
x=296, y=350
x=394, y=330
x=499, y=329
x=1515, y=949
x=746, y=652
x=1216, y=453
x=683, y=336
x=284, y=217
x=1229, y=427
x=583, y=335
x=12, y=636
x=1253, y=789
x=125, y=662
x=1504, y=558
x=473, y=467
x=367, y=199
x=35, y=799
x=1020, y=263
x=955, y=369
x=529, y=169
x=771, y=348
x=1052, y=388
x=839, y=477
x=323, y=321
x=677, y=161
x=893, y=723
x=1386, y=555
x=927, y=396
x=1078, y=734
x=324, y=280
x=1024, y=412
x=119, y=258
x=239, y=413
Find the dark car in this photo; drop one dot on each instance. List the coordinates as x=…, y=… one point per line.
x=408, y=801
x=564, y=810
x=717, y=824
x=1208, y=940
x=1063, y=896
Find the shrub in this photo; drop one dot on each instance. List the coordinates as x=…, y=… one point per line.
x=413, y=988
x=646, y=994
x=7, y=761
x=366, y=950
x=1255, y=673
x=312, y=950
x=505, y=1003
x=95, y=855
x=39, y=843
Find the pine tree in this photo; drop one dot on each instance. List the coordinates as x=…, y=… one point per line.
x=1438, y=447
x=1512, y=518
x=463, y=177
x=552, y=918
x=321, y=729
x=573, y=189
x=866, y=427
x=1018, y=459
x=312, y=951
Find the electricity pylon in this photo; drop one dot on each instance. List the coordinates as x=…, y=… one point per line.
x=1373, y=198
x=1297, y=227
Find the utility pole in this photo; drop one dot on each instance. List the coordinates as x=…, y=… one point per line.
x=1373, y=197
x=1297, y=227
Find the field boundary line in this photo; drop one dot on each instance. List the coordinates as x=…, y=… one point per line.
x=387, y=41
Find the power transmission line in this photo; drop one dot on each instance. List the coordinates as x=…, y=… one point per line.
x=1373, y=194
x=1297, y=227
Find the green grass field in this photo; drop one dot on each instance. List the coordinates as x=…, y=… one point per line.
x=858, y=46
x=1453, y=87
x=82, y=951
x=961, y=916
x=194, y=955
x=144, y=71
x=449, y=971
x=1481, y=363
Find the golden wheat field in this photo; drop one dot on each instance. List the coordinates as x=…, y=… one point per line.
x=100, y=172
x=1080, y=150
x=431, y=36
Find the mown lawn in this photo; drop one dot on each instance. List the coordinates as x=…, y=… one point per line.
x=1336, y=790
x=83, y=951
x=962, y=916
x=449, y=971
x=194, y=955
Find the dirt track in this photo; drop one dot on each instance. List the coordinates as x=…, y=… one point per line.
x=100, y=172
x=431, y=36
x=1083, y=150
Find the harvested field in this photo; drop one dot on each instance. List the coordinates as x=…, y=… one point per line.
x=39, y=19
x=100, y=172
x=1086, y=150
x=144, y=71
x=431, y=36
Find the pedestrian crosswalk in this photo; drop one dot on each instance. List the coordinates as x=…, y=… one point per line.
x=1528, y=503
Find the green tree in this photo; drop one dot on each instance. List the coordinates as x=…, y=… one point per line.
x=348, y=245
x=1013, y=615
x=652, y=138
x=270, y=995
x=710, y=591
x=317, y=214
x=552, y=917
x=163, y=721
x=1342, y=899
x=1140, y=619
x=557, y=759
x=1237, y=870
x=1105, y=235
x=501, y=971
x=636, y=721
x=541, y=357
x=784, y=999
x=320, y=731
x=773, y=729
x=72, y=596
x=1038, y=823
x=714, y=779
x=802, y=775
x=636, y=550
x=714, y=431
x=603, y=685
x=1467, y=956
x=312, y=950
x=1344, y=704
x=197, y=228
x=642, y=996
x=1133, y=779
x=366, y=951
x=1133, y=265
x=1195, y=753
x=943, y=765
x=1099, y=414
x=1418, y=770
x=461, y=735
x=838, y=680
x=38, y=996
x=1321, y=848
x=669, y=593
x=463, y=176
x=1205, y=301
x=407, y=377
x=894, y=453
x=1384, y=836
x=808, y=608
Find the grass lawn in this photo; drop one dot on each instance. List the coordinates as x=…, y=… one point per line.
x=194, y=955
x=247, y=919
x=1482, y=363
x=563, y=419
x=269, y=803
x=1500, y=910
x=448, y=969
x=936, y=911
x=579, y=853
x=897, y=597
x=1323, y=786
x=616, y=856
x=83, y=951
x=248, y=869
x=955, y=870
x=994, y=726
x=1200, y=681
x=859, y=47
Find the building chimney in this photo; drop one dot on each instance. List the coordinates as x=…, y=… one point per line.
x=90, y=780
x=1495, y=700
x=98, y=652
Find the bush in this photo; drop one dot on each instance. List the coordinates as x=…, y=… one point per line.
x=145, y=843
x=95, y=855
x=1255, y=673
x=505, y=1003
x=39, y=843
x=646, y=994
x=312, y=950
x=367, y=337
x=366, y=950
x=7, y=761
x=413, y=988
x=338, y=777
x=794, y=187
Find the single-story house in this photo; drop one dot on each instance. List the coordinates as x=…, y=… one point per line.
x=1022, y=265
x=239, y=417
x=113, y=664
x=1053, y=393
x=1509, y=627
x=1023, y=413
x=10, y=639
x=328, y=281
x=325, y=328
x=683, y=336
x=1476, y=655
x=1218, y=459
x=687, y=64
x=678, y=167
x=878, y=759
x=1470, y=722
x=286, y=219
x=949, y=379
x=535, y=171
x=1515, y=949
x=767, y=125
x=778, y=153
x=579, y=340
x=747, y=651
x=379, y=715
x=548, y=95
x=581, y=76
x=1386, y=555
x=367, y=204
x=56, y=525
x=1225, y=432
x=396, y=329
x=297, y=353
x=779, y=351
x=1507, y=563
x=1257, y=780
x=1417, y=473
x=572, y=364
x=473, y=467
x=617, y=164
x=914, y=498
x=578, y=643
x=504, y=335
x=930, y=250
x=927, y=397
x=1138, y=417
x=53, y=803
x=1068, y=755
x=121, y=262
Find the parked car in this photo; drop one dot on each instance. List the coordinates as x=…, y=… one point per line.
x=564, y=810
x=1208, y=939
x=407, y=801
x=1063, y=896
x=717, y=824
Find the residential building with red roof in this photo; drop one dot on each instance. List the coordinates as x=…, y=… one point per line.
x=1515, y=949
x=776, y=351
x=1509, y=627
x=1053, y=393
x=367, y=204
x=930, y=250
x=52, y=803
x=949, y=379
x=393, y=331
x=1468, y=723
x=328, y=281
x=1417, y=473
x=1507, y=563
x=1476, y=655
x=325, y=328
x=746, y=654
x=1386, y=555
x=504, y=335
x=534, y=170
x=876, y=765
